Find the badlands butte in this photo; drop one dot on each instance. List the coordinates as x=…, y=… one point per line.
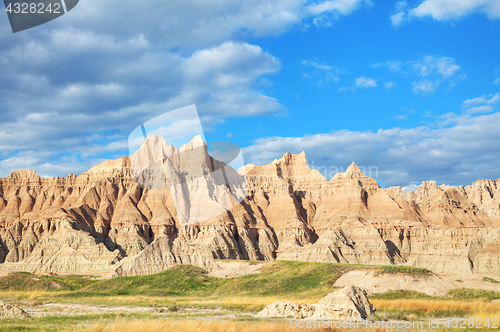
x=104, y=222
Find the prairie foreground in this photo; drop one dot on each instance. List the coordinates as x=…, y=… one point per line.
x=186, y=298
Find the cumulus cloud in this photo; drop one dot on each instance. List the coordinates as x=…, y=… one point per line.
x=444, y=10
x=84, y=81
x=77, y=113
x=190, y=24
x=460, y=153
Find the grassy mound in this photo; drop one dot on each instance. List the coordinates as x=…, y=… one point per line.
x=275, y=278
x=24, y=281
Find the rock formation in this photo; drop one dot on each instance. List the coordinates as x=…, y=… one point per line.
x=137, y=215
x=347, y=303
x=11, y=311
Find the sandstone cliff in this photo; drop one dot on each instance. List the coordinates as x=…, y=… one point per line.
x=164, y=205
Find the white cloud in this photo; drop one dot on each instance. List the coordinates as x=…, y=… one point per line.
x=130, y=61
x=496, y=81
x=190, y=24
x=82, y=113
x=431, y=71
x=366, y=82
x=323, y=73
x=481, y=109
x=400, y=16
x=483, y=104
x=360, y=82
x=409, y=187
x=343, y=7
x=393, y=66
x=460, y=153
x=389, y=85
x=424, y=87
x=320, y=66
x=446, y=10
x=398, y=19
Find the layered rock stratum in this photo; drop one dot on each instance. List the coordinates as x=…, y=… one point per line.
x=133, y=217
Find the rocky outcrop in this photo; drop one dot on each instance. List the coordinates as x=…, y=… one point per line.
x=11, y=311
x=164, y=206
x=288, y=309
x=347, y=303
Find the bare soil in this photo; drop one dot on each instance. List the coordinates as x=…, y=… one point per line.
x=433, y=285
x=235, y=269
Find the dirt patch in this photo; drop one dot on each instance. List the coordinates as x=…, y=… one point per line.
x=69, y=309
x=63, y=309
x=55, y=285
x=433, y=285
x=235, y=269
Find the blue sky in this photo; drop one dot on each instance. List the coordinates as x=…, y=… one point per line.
x=410, y=87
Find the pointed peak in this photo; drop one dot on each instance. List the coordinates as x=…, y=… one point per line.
x=195, y=142
x=289, y=158
x=197, y=139
x=353, y=168
x=155, y=139
x=353, y=172
x=153, y=142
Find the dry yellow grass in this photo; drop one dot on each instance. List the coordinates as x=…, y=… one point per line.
x=429, y=306
x=201, y=326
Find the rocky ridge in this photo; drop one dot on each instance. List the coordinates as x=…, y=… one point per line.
x=111, y=221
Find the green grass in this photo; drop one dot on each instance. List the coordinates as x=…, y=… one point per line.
x=275, y=278
x=186, y=284
x=24, y=281
x=402, y=269
x=491, y=280
x=465, y=294
x=460, y=294
x=181, y=286
x=402, y=294
x=58, y=323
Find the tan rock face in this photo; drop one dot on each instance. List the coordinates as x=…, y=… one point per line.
x=347, y=303
x=106, y=221
x=11, y=311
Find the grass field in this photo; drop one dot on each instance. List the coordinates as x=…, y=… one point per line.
x=186, y=286
x=284, y=280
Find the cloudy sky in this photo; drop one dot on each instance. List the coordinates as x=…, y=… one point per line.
x=410, y=87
